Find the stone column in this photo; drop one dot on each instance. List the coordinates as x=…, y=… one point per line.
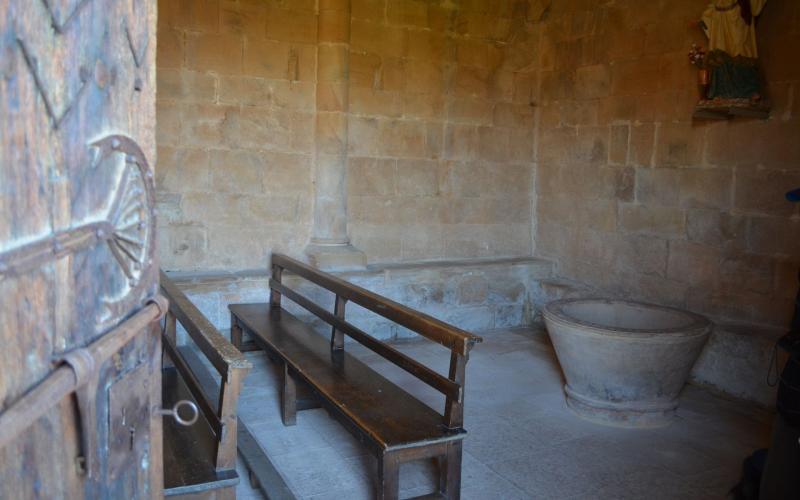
x=330, y=246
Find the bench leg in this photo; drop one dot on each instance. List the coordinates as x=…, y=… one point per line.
x=450, y=471
x=171, y=332
x=288, y=398
x=388, y=477
x=272, y=357
x=228, y=493
x=253, y=480
x=236, y=334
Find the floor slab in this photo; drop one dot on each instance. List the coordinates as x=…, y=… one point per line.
x=523, y=441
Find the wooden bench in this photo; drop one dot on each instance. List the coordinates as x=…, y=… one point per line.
x=199, y=460
x=394, y=425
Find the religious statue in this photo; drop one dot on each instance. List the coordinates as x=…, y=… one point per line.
x=732, y=57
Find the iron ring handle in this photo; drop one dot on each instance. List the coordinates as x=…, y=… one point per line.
x=175, y=413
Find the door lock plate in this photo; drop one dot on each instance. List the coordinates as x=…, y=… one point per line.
x=129, y=418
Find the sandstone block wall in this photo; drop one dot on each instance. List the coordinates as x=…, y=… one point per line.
x=560, y=129
x=635, y=198
x=440, y=136
x=441, y=129
x=235, y=117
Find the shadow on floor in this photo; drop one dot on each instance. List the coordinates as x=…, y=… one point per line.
x=523, y=441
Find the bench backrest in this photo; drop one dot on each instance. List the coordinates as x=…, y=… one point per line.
x=231, y=365
x=458, y=341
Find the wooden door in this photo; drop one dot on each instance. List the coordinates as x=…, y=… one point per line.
x=77, y=251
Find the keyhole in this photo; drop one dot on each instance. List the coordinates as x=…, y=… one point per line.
x=133, y=433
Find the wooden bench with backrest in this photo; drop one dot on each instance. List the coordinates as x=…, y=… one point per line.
x=395, y=425
x=199, y=460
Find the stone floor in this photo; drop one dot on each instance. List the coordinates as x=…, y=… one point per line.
x=523, y=441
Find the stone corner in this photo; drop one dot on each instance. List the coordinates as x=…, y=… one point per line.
x=336, y=257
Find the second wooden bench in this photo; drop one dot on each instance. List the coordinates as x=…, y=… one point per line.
x=199, y=460
x=395, y=425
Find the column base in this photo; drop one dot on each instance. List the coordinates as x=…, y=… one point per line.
x=342, y=257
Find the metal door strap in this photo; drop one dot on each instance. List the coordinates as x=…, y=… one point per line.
x=77, y=372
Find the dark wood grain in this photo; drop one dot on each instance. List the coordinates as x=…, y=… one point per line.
x=392, y=417
x=189, y=452
x=219, y=351
x=211, y=444
x=263, y=473
x=190, y=381
x=77, y=233
x=427, y=375
x=391, y=422
x=388, y=477
x=423, y=324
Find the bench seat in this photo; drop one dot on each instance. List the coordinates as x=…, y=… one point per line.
x=395, y=426
x=392, y=417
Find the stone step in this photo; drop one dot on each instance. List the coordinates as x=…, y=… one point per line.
x=736, y=361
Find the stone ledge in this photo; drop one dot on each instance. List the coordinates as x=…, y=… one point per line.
x=736, y=360
x=194, y=280
x=553, y=289
x=474, y=295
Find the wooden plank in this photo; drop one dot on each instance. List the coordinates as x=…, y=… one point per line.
x=266, y=475
x=388, y=477
x=275, y=297
x=190, y=380
x=205, y=379
x=74, y=71
x=189, y=451
x=429, y=496
x=711, y=112
x=421, y=323
x=249, y=346
x=337, y=339
x=450, y=473
x=229, y=362
x=228, y=400
x=222, y=354
x=288, y=396
x=755, y=112
x=387, y=415
x=224, y=488
x=410, y=365
x=454, y=407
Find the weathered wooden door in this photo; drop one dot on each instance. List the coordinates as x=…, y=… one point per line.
x=79, y=338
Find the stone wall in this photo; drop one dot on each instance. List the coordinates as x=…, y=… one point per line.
x=439, y=146
x=441, y=129
x=475, y=295
x=633, y=197
x=460, y=129
x=637, y=199
x=235, y=115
